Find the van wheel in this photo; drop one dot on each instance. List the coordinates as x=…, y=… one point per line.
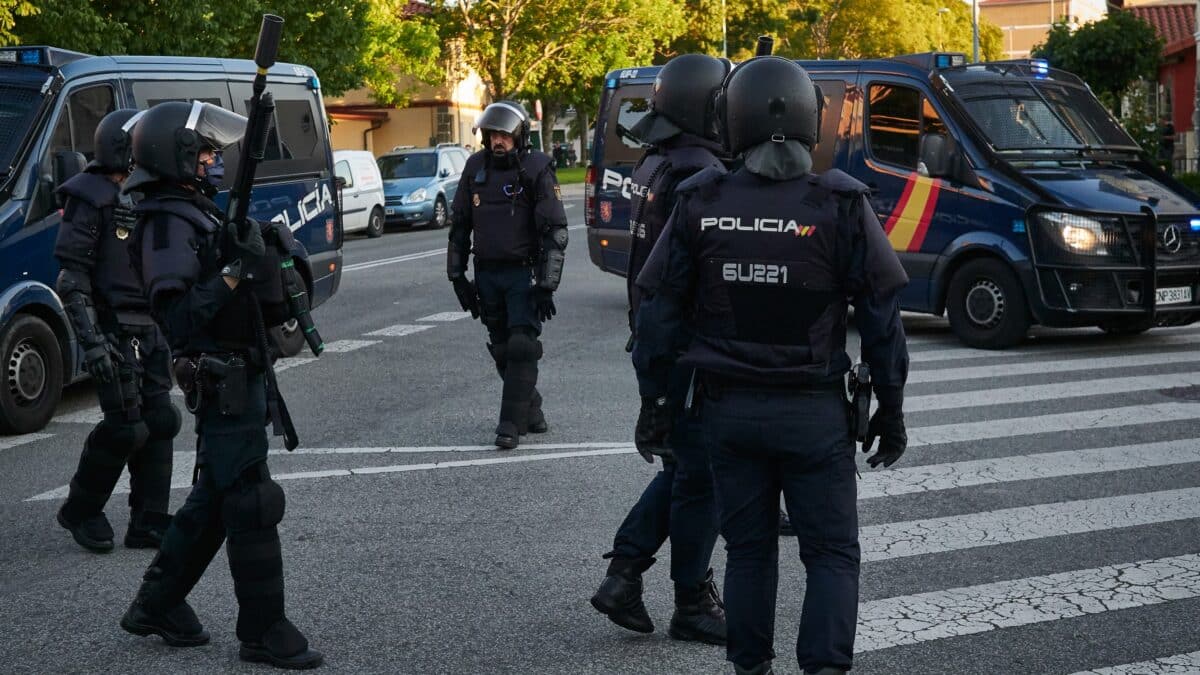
x=1126, y=326
x=375, y=223
x=31, y=374
x=440, y=216
x=987, y=305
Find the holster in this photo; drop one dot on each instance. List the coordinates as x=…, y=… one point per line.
x=213, y=380
x=858, y=385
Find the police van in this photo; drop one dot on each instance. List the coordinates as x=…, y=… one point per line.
x=1011, y=195
x=50, y=103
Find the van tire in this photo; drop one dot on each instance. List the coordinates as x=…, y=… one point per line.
x=375, y=223
x=441, y=217
x=31, y=375
x=987, y=306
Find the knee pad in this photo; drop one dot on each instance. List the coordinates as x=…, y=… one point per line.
x=254, y=505
x=163, y=421
x=120, y=435
x=524, y=347
x=499, y=352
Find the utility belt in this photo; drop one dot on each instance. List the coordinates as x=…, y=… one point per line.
x=502, y=265
x=214, y=379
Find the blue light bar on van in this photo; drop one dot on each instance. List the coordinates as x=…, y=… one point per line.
x=1040, y=68
x=949, y=60
x=1195, y=224
x=314, y=83
x=610, y=83
x=28, y=56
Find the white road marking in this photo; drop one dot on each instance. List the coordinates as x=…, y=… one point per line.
x=1053, y=364
x=913, y=619
x=285, y=364
x=391, y=261
x=182, y=466
x=955, y=353
x=507, y=459
x=14, y=441
x=1050, y=392
x=1026, y=523
x=399, y=330
x=1182, y=664
x=91, y=415
x=344, y=346
x=1044, y=424
x=417, y=449
x=445, y=316
x=933, y=477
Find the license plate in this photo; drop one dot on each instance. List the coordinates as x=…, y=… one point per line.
x=1174, y=296
x=389, y=211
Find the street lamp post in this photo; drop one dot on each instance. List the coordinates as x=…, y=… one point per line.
x=724, y=32
x=975, y=31
x=941, y=28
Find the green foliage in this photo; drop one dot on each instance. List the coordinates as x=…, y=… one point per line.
x=400, y=45
x=1109, y=55
x=1139, y=121
x=1190, y=180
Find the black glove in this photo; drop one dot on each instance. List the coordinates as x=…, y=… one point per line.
x=468, y=297
x=543, y=300
x=887, y=424
x=242, y=250
x=100, y=361
x=653, y=429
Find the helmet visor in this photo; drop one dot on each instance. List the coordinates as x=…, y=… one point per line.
x=501, y=117
x=219, y=127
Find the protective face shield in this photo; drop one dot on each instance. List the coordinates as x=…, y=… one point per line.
x=217, y=127
x=169, y=137
x=506, y=116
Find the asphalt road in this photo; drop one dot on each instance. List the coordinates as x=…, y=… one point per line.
x=1044, y=519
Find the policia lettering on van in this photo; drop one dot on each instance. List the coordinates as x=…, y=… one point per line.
x=51, y=101
x=1009, y=192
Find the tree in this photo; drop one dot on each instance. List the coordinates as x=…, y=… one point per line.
x=1110, y=55
x=400, y=44
x=9, y=11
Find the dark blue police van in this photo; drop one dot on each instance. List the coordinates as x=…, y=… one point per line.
x=50, y=103
x=1009, y=192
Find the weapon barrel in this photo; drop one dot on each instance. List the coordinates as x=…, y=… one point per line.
x=765, y=45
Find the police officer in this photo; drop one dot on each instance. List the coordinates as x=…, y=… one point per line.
x=124, y=351
x=765, y=260
x=681, y=134
x=509, y=206
x=213, y=289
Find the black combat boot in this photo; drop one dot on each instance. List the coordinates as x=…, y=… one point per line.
x=93, y=532
x=763, y=668
x=155, y=611
x=537, y=419
x=620, y=594
x=283, y=646
x=507, y=436
x=699, y=613
x=146, y=529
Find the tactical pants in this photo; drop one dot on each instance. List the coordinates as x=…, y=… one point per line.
x=678, y=503
x=235, y=502
x=139, y=425
x=507, y=309
x=762, y=443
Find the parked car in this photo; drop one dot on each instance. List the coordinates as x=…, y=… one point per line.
x=362, y=191
x=419, y=183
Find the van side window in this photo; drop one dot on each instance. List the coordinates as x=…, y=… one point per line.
x=294, y=145
x=81, y=114
x=342, y=170
x=458, y=160
x=629, y=105
x=894, y=124
x=834, y=92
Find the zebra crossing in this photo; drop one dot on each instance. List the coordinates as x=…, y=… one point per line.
x=1039, y=468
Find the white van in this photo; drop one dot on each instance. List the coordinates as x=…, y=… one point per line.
x=361, y=191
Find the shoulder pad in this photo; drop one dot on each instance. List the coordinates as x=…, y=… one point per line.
x=474, y=162
x=536, y=162
x=841, y=182
x=178, y=207
x=692, y=158
x=91, y=188
x=708, y=176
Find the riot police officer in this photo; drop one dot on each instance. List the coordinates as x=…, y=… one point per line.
x=681, y=134
x=508, y=211
x=124, y=351
x=214, y=290
x=765, y=261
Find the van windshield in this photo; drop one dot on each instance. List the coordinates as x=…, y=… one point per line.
x=18, y=107
x=1043, y=116
x=413, y=165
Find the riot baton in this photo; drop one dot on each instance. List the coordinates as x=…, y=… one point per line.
x=766, y=43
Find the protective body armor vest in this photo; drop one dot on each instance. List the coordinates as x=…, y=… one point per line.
x=502, y=207
x=771, y=260
x=179, y=241
x=97, y=226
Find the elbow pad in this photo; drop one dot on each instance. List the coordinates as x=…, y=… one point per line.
x=75, y=291
x=554, y=246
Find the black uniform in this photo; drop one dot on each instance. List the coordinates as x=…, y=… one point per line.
x=761, y=264
x=217, y=334
x=127, y=355
x=508, y=212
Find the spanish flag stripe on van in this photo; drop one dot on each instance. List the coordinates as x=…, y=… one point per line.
x=908, y=223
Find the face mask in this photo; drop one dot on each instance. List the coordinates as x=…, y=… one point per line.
x=215, y=173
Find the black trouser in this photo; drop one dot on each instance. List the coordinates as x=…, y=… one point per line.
x=506, y=306
x=139, y=425
x=762, y=443
x=233, y=501
x=678, y=503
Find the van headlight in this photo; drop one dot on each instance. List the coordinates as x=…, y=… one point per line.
x=415, y=196
x=1078, y=234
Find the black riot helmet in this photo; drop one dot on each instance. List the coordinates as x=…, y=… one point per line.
x=169, y=137
x=508, y=117
x=770, y=99
x=684, y=93
x=111, y=143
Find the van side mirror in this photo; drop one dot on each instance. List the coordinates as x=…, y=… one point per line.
x=341, y=182
x=444, y=172
x=942, y=157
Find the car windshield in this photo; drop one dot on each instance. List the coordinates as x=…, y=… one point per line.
x=1037, y=115
x=409, y=165
x=18, y=106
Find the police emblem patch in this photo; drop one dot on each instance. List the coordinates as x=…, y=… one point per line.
x=475, y=200
x=606, y=211
x=122, y=233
